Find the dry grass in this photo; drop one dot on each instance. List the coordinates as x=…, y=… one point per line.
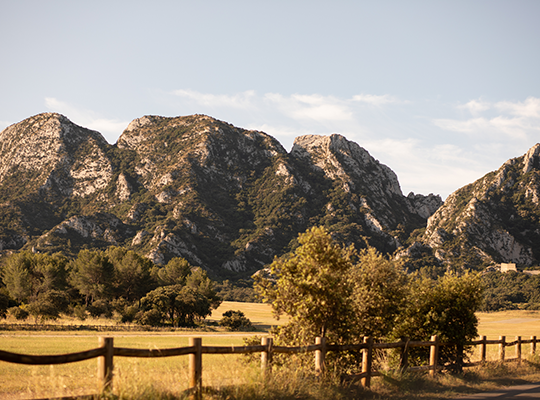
x=259, y=314
x=228, y=377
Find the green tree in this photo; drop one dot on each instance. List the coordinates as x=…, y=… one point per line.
x=199, y=281
x=132, y=273
x=176, y=305
x=446, y=308
x=27, y=275
x=380, y=290
x=313, y=286
x=92, y=275
x=235, y=321
x=48, y=305
x=4, y=302
x=175, y=272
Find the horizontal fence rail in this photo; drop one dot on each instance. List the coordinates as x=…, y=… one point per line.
x=106, y=352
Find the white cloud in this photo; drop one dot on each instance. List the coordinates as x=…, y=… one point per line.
x=476, y=107
x=530, y=108
x=375, y=99
x=467, y=126
x=311, y=107
x=109, y=128
x=515, y=120
x=242, y=100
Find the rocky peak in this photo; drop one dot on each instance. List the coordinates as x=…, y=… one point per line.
x=342, y=159
x=531, y=159
x=425, y=206
x=225, y=198
x=494, y=219
x=49, y=150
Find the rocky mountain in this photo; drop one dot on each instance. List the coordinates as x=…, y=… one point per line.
x=225, y=198
x=493, y=220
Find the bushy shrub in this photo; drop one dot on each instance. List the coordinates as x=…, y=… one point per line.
x=18, y=313
x=99, y=308
x=80, y=312
x=235, y=321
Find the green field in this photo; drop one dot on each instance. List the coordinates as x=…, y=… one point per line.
x=23, y=382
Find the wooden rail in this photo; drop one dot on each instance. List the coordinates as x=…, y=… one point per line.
x=106, y=352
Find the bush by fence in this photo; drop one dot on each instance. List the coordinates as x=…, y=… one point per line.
x=106, y=352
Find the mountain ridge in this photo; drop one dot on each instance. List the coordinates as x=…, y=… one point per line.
x=225, y=198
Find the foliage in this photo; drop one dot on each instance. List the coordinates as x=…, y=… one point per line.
x=235, y=321
x=4, y=302
x=510, y=290
x=27, y=275
x=380, y=290
x=48, y=305
x=174, y=272
x=237, y=291
x=179, y=304
x=176, y=305
x=446, y=308
x=92, y=275
x=18, y=313
x=132, y=273
x=312, y=286
x=325, y=293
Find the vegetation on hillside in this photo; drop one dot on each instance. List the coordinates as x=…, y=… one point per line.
x=100, y=283
x=339, y=293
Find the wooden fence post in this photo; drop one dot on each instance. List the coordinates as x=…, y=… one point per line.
x=320, y=355
x=105, y=364
x=266, y=356
x=533, y=346
x=367, y=360
x=195, y=368
x=483, y=349
x=433, y=355
x=518, y=348
x=502, y=345
x=404, y=359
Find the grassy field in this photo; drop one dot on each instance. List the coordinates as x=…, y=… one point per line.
x=221, y=372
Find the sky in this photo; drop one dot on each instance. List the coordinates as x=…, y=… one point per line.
x=442, y=92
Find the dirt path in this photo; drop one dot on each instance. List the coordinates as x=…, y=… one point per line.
x=520, y=392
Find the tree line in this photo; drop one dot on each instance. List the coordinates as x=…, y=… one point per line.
x=101, y=282
x=343, y=294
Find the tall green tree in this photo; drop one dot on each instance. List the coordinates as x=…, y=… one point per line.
x=132, y=274
x=381, y=287
x=313, y=286
x=446, y=307
x=174, y=272
x=27, y=275
x=92, y=275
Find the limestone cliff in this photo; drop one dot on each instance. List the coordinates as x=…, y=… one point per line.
x=495, y=219
x=225, y=198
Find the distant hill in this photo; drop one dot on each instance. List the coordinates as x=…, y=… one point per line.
x=225, y=198
x=493, y=220
x=230, y=199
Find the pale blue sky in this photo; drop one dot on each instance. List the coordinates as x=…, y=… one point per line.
x=440, y=91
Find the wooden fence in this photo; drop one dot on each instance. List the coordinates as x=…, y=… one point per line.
x=106, y=352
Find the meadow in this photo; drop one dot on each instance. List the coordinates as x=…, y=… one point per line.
x=170, y=375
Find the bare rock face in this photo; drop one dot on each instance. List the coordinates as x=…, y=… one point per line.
x=225, y=198
x=374, y=185
x=425, y=206
x=50, y=152
x=493, y=220
x=343, y=160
